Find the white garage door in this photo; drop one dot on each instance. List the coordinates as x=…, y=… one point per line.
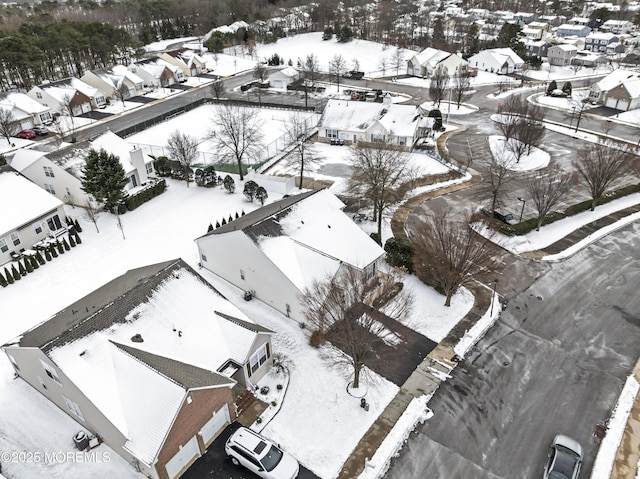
x=211, y=429
x=186, y=455
x=623, y=105
x=26, y=124
x=611, y=103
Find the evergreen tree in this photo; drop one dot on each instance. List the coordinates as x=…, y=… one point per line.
x=53, y=250
x=77, y=225
x=3, y=282
x=229, y=184
x=217, y=224
x=65, y=243
x=230, y=219
x=47, y=254
x=566, y=88
x=237, y=215
x=40, y=258
x=437, y=36
x=224, y=221
x=22, y=269
x=9, y=276
x=72, y=242
x=60, y=247
x=77, y=237
x=15, y=273
x=34, y=262
x=104, y=178
x=210, y=228
x=250, y=188
x=27, y=264
x=261, y=195
x=552, y=86
x=242, y=214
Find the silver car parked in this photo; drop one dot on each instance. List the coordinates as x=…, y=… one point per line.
x=564, y=460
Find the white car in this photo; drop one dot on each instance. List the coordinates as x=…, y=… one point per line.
x=259, y=455
x=564, y=460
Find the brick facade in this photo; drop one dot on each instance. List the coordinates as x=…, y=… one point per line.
x=190, y=419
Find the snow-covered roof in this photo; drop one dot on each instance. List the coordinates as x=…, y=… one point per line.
x=25, y=158
x=345, y=115
x=187, y=332
x=616, y=78
x=400, y=120
x=122, y=70
x=23, y=102
x=431, y=57
x=29, y=200
x=117, y=146
x=233, y=28
x=601, y=36
x=289, y=72
x=566, y=47
x=633, y=87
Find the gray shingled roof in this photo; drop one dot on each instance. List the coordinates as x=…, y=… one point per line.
x=253, y=219
x=186, y=375
x=103, y=307
x=253, y=327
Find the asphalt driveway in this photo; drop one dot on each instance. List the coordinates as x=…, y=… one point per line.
x=215, y=464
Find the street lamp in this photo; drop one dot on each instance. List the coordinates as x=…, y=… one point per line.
x=522, y=210
x=495, y=284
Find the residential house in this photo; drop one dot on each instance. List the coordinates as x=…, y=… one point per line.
x=178, y=73
x=588, y=59
x=534, y=34
x=617, y=27
x=114, y=80
x=554, y=20
x=153, y=75
x=25, y=111
x=569, y=30
x=29, y=214
x=187, y=60
x=60, y=172
x=561, y=55
x=281, y=79
x=427, y=61
x=615, y=48
x=620, y=89
x=583, y=21
x=478, y=13
x=497, y=60
x=356, y=121
x=147, y=364
x=284, y=247
x=599, y=41
x=537, y=49
x=63, y=99
x=524, y=17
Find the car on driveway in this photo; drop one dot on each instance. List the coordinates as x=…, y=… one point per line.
x=247, y=448
x=40, y=130
x=564, y=459
x=26, y=134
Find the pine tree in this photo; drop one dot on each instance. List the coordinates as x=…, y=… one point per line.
x=65, y=243
x=47, y=254
x=237, y=215
x=552, y=86
x=72, y=242
x=229, y=184
x=15, y=273
x=224, y=221
x=230, y=219
x=77, y=225
x=104, y=178
x=77, y=237
x=60, y=247
x=9, y=276
x=210, y=228
x=22, y=269
x=34, y=262
x=3, y=282
x=242, y=214
x=40, y=258
x=27, y=265
x=217, y=224
x=261, y=195
x=53, y=249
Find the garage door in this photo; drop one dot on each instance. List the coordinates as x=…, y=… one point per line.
x=26, y=124
x=185, y=457
x=215, y=425
x=623, y=105
x=611, y=103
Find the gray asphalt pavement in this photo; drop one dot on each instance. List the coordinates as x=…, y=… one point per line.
x=554, y=363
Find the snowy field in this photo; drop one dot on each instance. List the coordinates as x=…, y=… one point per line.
x=319, y=423
x=535, y=160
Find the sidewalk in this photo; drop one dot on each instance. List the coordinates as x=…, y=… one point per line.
x=428, y=375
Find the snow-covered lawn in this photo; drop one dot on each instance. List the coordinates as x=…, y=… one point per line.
x=449, y=108
x=319, y=423
x=533, y=161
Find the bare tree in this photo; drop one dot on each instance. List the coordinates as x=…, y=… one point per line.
x=397, y=60
x=498, y=176
x=378, y=170
x=382, y=65
x=310, y=70
x=345, y=310
x=184, y=149
x=260, y=73
x=66, y=110
x=600, y=166
x=547, y=191
x=448, y=253
x=7, y=124
x=461, y=85
x=438, y=85
x=355, y=64
x=337, y=67
x=91, y=212
x=217, y=89
x=237, y=133
x=122, y=92
x=299, y=134
x=521, y=123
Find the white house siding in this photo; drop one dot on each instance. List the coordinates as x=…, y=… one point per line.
x=67, y=187
x=30, y=360
x=229, y=254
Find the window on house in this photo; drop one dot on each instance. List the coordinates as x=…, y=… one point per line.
x=258, y=358
x=51, y=372
x=15, y=239
x=45, y=117
x=241, y=274
x=50, y=188
x=402, y=140
x=39, y=95
x=149, y=167
x=203, y=257
x=13, y=362
x=44, y=386
x=377, y=138
x=54, y=223
x=331, y=133
x=48, y=171
x=73, y=407
x=37, y=227
x=3, y=245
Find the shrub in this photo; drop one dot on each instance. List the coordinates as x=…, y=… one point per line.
x=47, y=254
x=76, y=236
x=437, y=115
x=34, y=262
x=40, y=258
x=274, y=403
x=72, y=242
x=77, y=225
x=65, y=243
x=327, y=34
x=22, y=269
x=15, y=273
x=3, y=282
x=210, y=228
x=60, y=247
x=259, y=420
x=279, y=387
x=317, y=339
x=27, y=265
x=229, y=184
x=261, y=195
x=53, y=250
x=250, y=188
x=9, y=276
x=399, y=253
x=264, y=390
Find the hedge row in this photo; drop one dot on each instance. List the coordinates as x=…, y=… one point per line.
x=133, y=201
